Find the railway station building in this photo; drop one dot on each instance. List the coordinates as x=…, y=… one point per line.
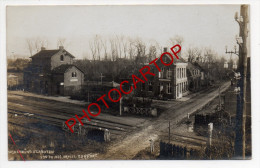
x=52, y=72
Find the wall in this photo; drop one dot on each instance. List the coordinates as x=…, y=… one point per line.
x=55, y=60
x=73, y=84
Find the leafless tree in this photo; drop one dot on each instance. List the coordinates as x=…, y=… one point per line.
x=176, y=40
x=125, y=46
x=131, y=48
x=209, y=55
x=104, y=45
x=113, y=49
x=152, y=53
x=61, y=42
x=194, y=54
x=30, y=46
x=140, y=47
x=98, y=46
x=119, y=47
x=93, y=50
x=34, y=45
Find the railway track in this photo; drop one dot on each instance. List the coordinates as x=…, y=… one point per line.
x=114, y=129
x=186, y=140
x=49, y=112
x=53, y=108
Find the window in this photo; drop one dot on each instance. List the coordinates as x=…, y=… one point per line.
x=150, y=84
x=161, y=73
x=169, y=88
x=61, y=58
x=169, y=73
x=74, y=74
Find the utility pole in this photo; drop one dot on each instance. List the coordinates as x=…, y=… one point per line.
x=101, y=77
x=210, y=129
x=241, y=97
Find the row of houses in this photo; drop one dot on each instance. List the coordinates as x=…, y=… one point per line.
x=53, y=72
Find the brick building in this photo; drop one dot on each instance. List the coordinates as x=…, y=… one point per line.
x=52, y=72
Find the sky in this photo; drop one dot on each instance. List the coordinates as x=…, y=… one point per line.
x=200, y=25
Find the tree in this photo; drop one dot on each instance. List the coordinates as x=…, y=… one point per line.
x=177, y=40
x=131, y=48
x=34, y=45
x=104, y=44
x=194, y=54
x=140, y=47
x=61, y=42
x=152, y=53
x=209, y=55
x=98, y=46
x=30, y=46
x=93, y=50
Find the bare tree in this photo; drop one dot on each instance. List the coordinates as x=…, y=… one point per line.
x=61, y=42
x=152, y=52
x=119, y=45
x=113, y=50
x=131, y=48
x=140, y=47
x=209, y=55
x=98, y=46
x=194, y=54
x=104, y=44
x=177, y=40
x=125, y=46
x=30, y=46
x=93, y=50
x=34, y=45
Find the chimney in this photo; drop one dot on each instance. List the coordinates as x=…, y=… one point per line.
x=43, y=48
x=165, y=49
x=61, y=47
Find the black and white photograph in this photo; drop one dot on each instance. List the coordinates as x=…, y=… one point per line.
x=128, y=82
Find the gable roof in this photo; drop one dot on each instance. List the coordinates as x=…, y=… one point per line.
x=49, y=53
x=192, y=66
x=63, y=68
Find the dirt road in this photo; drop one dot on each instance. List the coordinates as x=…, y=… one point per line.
x=132, y=144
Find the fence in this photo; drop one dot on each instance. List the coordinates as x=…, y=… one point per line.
x=168, y=150
x=141, y=111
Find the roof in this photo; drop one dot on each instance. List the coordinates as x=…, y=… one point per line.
x=63, y=68
x=175, y=60
x=49, y=53
x=191, y=66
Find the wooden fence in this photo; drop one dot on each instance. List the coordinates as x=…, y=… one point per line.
x=171, y=151
x=141, y=111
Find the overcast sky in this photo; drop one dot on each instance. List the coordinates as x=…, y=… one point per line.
x=203, y=26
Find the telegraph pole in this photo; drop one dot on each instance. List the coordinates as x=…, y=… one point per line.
x=241, y=97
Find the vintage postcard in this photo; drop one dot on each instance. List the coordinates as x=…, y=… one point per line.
x=128, y=82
